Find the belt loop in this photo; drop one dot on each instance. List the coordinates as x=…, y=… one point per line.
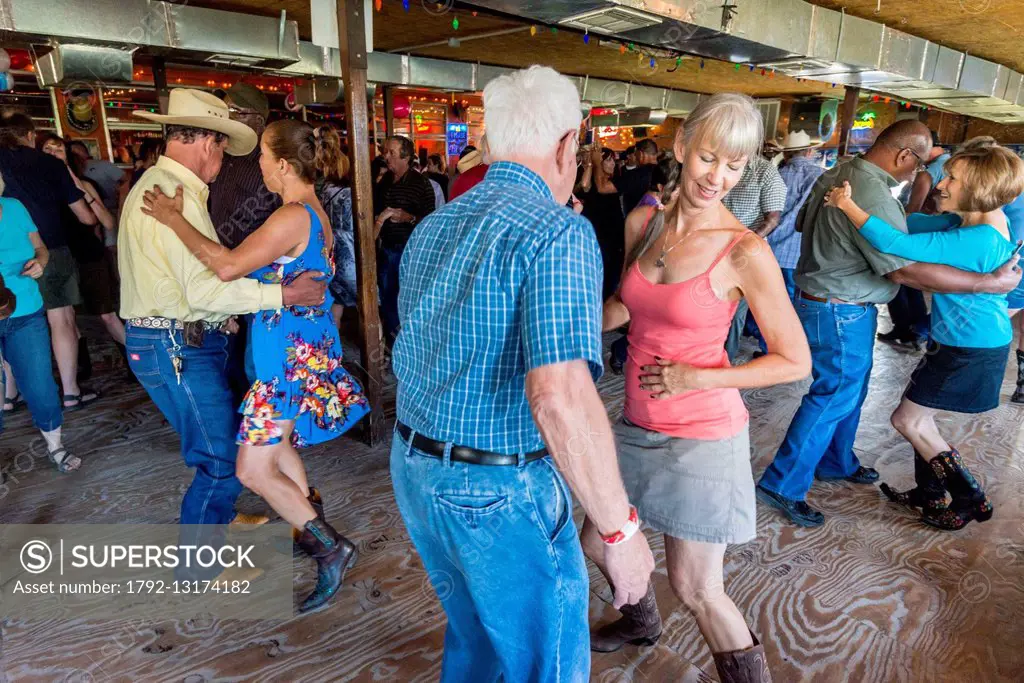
x=447, y=457
x=521, y=459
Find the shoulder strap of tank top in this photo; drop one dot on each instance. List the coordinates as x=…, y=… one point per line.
x=725, y=252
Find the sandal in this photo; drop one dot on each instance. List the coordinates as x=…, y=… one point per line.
x=80, y=400
x=13, y=405
x=65, y=462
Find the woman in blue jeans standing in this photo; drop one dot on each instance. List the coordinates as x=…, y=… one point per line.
x=25, y=332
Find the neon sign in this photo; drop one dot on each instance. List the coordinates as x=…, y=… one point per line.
x=865, y=121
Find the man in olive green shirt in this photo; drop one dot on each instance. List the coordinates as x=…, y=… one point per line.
x=840, y=278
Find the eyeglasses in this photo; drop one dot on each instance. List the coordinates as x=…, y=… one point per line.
x=920, y=166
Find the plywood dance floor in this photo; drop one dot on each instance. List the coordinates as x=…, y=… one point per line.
x=871, y=596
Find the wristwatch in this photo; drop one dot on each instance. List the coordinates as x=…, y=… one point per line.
x=631, y=526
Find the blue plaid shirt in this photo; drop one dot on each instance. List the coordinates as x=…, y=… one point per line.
x=499, y=282
x=799, y=175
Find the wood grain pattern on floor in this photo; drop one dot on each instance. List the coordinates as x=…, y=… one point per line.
x=872, y=596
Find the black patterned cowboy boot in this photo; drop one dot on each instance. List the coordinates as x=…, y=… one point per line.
x=1018, y=393
x=334, y=555
x=743, y=666
x=929, y=495
x=640, y=625
x=969, y=499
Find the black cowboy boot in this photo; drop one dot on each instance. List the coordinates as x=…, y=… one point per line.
x=743, y=666
x=640, y=625
x=1018, y=393
x=317, y=504
x=969, y=499
x=333, y=553
x=929, y=494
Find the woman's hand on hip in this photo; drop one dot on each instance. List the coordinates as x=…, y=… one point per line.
x=162, y=207
x=670, y=378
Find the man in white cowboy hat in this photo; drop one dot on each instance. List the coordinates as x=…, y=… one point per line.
x=799, y=171
x=177, y=309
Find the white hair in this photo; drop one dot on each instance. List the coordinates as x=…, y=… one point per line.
x=527, y=112
x=729, y=123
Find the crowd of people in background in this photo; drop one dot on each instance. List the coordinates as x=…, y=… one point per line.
x=493, y=312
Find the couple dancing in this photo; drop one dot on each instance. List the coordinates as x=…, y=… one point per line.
x=180, y=288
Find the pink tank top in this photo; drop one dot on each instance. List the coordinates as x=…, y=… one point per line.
x=681, y=321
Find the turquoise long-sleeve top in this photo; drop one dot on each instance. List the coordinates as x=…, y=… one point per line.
x=966, y=320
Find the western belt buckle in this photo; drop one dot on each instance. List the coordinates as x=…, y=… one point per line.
x=193, y=334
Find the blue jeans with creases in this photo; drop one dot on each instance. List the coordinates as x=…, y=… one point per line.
x=820, y=437
x=25, y=344
x=201, y=411
x=501, y=551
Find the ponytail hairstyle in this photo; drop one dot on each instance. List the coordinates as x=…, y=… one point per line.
x=731, y=124
x=331, y=161
x=310, y=151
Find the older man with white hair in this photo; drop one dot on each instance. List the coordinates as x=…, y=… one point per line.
x=500, y=346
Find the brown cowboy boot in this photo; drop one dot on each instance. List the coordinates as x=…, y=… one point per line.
x=640, y=625
x=743, y=666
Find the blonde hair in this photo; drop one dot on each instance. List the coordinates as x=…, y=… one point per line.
x=992, y=176
x=731, y=125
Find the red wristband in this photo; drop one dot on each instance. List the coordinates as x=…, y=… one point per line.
x=631, y=526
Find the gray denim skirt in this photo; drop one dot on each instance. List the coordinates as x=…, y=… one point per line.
x=689, y=489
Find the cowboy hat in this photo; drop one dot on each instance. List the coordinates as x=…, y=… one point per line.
x=474, y=158
x=797, y=140
x=200, y=109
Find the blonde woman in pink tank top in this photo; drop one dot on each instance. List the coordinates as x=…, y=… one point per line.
x=683, y=444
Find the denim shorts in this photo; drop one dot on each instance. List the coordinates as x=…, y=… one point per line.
x=687, y=488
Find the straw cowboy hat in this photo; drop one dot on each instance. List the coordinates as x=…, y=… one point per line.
x=796, y=141
x=202, y=110
x=471, y=160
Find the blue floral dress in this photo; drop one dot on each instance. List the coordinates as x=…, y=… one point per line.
x=295, y=353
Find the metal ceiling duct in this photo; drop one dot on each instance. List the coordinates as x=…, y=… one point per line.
x=69, y=64
x=801, y=40
x=163, y=28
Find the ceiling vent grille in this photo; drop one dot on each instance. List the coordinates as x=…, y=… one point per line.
x=235, y=60
x=611, y=20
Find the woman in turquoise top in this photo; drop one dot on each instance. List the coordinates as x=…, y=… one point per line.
x=24, y=334
x=971, y=333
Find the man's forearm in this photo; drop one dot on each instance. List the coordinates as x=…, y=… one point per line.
x=769, y=223
x=572, y=419
x=933, y=277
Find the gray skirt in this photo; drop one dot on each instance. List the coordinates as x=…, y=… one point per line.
x=689, y=489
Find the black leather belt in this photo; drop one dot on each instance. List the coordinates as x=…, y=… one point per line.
x=464, y=453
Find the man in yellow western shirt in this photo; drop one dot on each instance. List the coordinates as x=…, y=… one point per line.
x=177, y=309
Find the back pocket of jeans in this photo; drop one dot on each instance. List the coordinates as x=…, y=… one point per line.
x=474, y=505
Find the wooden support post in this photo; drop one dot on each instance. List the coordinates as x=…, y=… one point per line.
x=163, y=94
x=389, y=110
x=846, y=120
x=352, y=31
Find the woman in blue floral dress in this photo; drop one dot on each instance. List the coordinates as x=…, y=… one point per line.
x=301, y=395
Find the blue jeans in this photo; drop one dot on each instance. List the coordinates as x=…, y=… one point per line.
x=388, y=260
x=25, y=344
x=201, y=411
x=820, y=437
x=501, y=550
x=752, y=328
